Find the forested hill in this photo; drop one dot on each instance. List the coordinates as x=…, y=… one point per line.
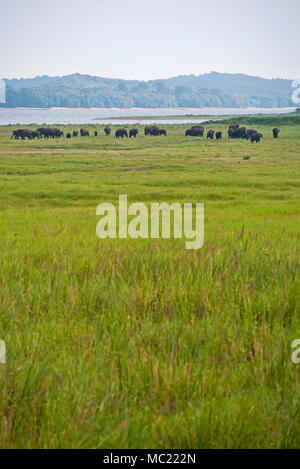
x=209, y=90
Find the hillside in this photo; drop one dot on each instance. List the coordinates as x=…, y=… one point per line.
x=208, y=90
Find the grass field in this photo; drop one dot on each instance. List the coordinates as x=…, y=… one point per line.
x=141, y=343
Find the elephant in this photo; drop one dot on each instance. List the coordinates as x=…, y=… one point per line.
x=195, y=132
x=218, y=135
x=151, y=130
x=84, y=133
x=239, y=132
x=68, y=135
x=16, y=134
x=22, y=133
x=255, y=138
x=154, y=130
x=35, y=134
x=242, y=131
x=251, y=132
x=163, y=132
x=133, y=133
x=49, y=132
x=210, y=134
x=75, y=133
x=198, y=127
x=58, y=133
x=27, y=133
x=275, y=132
x=107, y=131
x=121, y=133
x=42, y=132
x=233, y=128
x=96, y=133
x=147, y=129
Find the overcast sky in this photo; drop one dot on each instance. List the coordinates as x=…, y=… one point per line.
x=146, y=39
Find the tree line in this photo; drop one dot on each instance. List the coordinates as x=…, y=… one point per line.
x=210, y=90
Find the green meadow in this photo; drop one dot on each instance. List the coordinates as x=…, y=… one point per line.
x=141, y=343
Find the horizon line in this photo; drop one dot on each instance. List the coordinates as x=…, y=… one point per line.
x=148, y=80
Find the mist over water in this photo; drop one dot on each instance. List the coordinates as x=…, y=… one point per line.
x=122, y=116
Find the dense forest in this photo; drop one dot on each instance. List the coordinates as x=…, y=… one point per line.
x=209, y=90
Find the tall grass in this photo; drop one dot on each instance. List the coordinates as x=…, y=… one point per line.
x=140, y=343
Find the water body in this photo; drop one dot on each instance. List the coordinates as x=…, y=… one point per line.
x=122, y=116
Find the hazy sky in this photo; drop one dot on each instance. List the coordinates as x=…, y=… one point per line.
x=146, y=39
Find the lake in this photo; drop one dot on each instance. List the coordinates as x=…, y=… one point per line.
x=121, y=116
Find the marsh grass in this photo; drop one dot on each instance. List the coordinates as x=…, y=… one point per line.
x=140, y=343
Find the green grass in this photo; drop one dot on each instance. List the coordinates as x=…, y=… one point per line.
x=141, y=343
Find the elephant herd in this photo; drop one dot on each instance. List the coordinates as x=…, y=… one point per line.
x=52, y=132
x=154, y=130
x=46, y=132
x=234, y=131
x=121, y=133
x=198, y=131
x=149, y=130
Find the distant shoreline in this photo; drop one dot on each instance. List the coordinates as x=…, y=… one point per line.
x=259, y=109
x=130, y=116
